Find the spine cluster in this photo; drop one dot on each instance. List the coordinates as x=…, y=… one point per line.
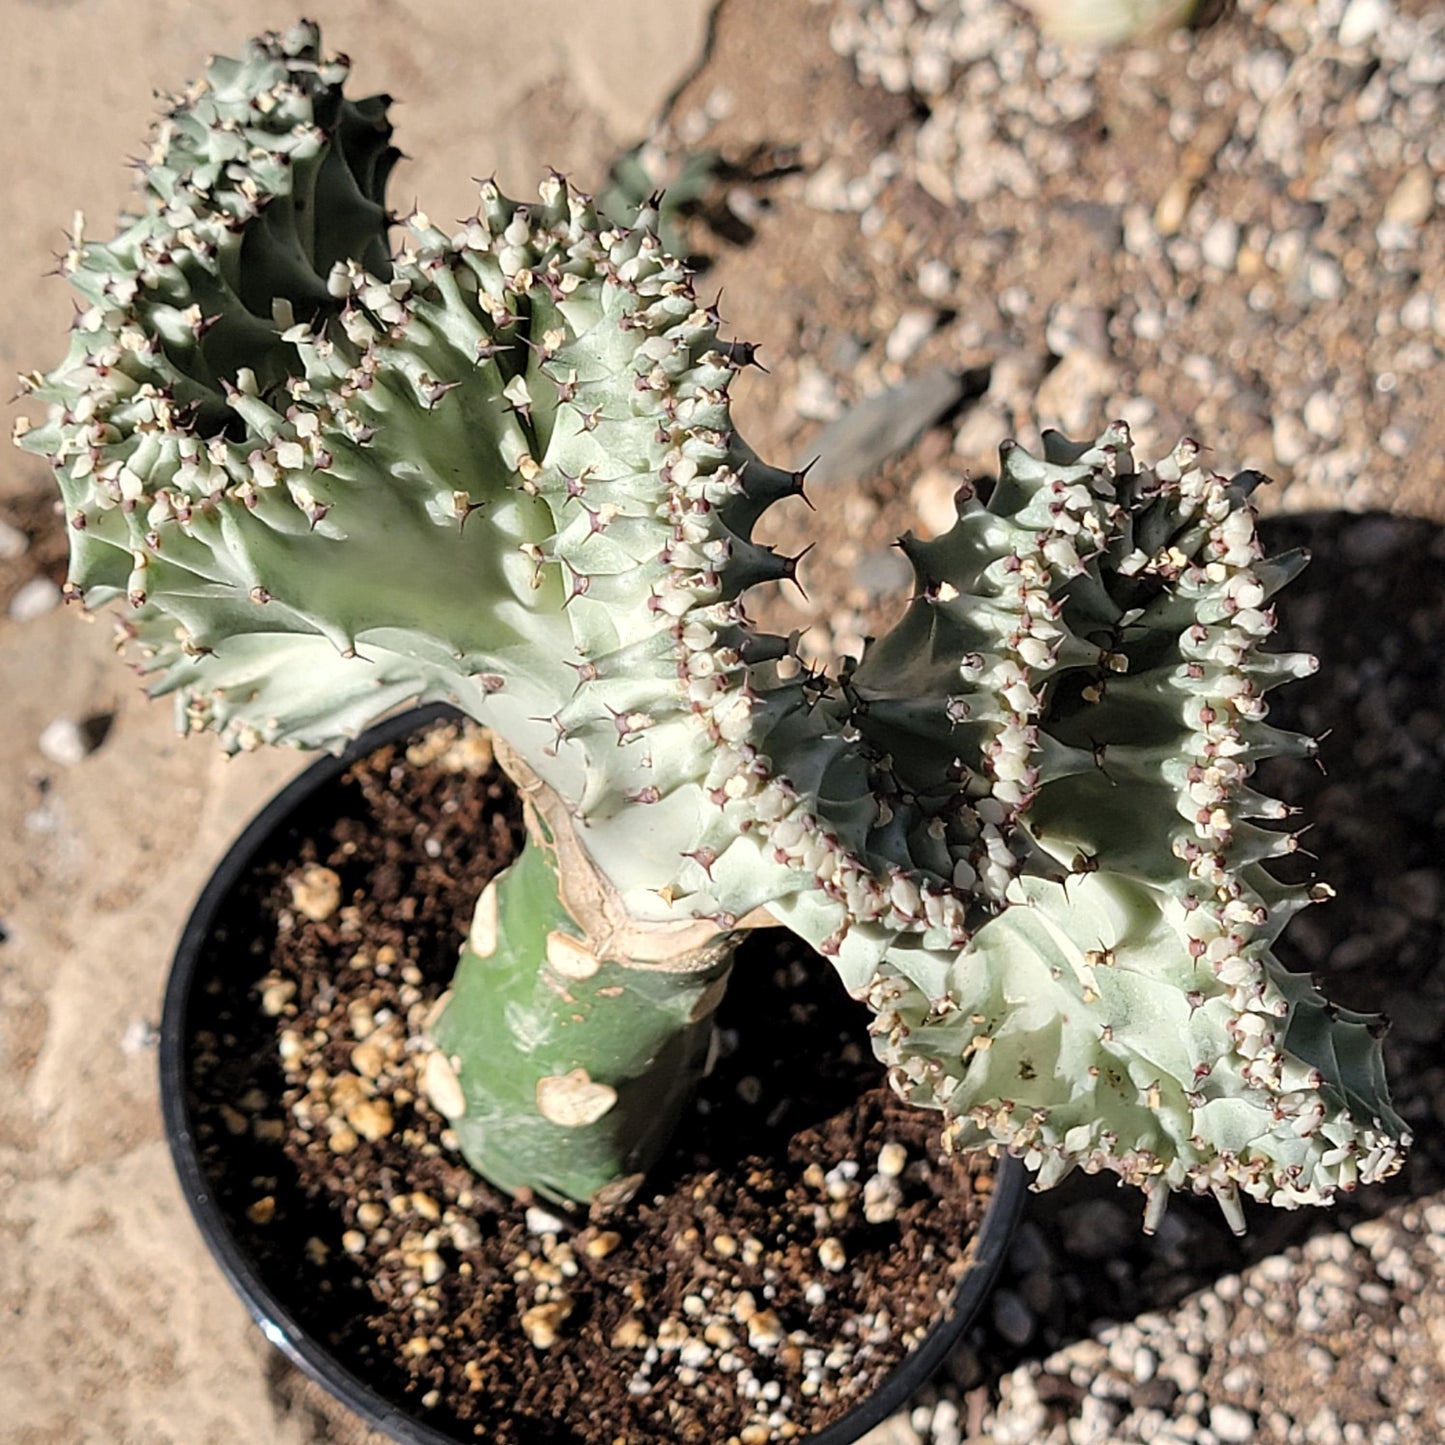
x=1121, y=1008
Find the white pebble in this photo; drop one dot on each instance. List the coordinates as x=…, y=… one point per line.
x=1417, y=313
x=64, y=742
x=37, y=597
x=542, y=1221
x=13, y=542
x=1014, y=301
x=935, y=280
x=1362, y=18
x=816, y=398
x=1322, y=415
x=1395, y=441
x=1265, y=74
x=1413, y=198
x=1326, y=281
x=913, y=328
x=1291, y=441
x=1231, y=1425
x=892, y=1158
x=1220, y=244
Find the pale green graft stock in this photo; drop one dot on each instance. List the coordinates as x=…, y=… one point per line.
x=499, y=467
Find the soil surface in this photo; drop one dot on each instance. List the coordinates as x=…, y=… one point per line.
x=800, y=1239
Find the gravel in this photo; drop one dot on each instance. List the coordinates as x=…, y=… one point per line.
x=1283, y=221
x=33, y=599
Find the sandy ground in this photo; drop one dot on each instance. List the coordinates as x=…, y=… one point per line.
x=118, y=1330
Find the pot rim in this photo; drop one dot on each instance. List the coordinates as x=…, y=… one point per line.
x=270, y=1312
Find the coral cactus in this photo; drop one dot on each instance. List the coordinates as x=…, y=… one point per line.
x=499, y=468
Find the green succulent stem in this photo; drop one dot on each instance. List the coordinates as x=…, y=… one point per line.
x=572, y=1070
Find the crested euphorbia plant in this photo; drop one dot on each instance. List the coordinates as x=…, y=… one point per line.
x=498, y=467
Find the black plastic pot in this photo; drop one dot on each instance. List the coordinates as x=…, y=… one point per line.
x=278, y=1321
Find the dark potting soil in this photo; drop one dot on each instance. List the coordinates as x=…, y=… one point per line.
x=791, y=1250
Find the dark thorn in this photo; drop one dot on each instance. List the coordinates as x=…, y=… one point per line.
x=790, y=568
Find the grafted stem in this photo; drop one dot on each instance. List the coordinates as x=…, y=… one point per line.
x=574, y=1036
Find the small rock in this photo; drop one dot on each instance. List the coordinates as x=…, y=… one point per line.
x=1396, y=236
x=936, y=280
x=1362, y=18
x=1395, y=442
x=1077, y=328
x=827, y=188
x=1012, y=1318
x=342, y=1139
x=892, y=1159
x=64, y=741
x=440, y=1084
x=34, y=599
x=1413, y=198
x=1291, y=440
x=1417, y=312
x=1324, y=278
x=1039, y=1291
x=979, y=437
x=895, y=1430
x=276, y=995
x=371, y=1118
x=1322, y=415
x=1182, y=1370
x=933, y=503
x=13, y=542
x=1173, y=206
x=1231, y=1425
x=765, y=1331
x=1095, y=1422
x=1220, y=244
x=1070, y=395
x=815, y=398
x=1265, y=73
x=1417, y=892
x=1029, y=1250
x=543, y=1221
x=542, y=1322
x=912, y=329
x=1013, y=379
x=881, y=1198
x=315, y=892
